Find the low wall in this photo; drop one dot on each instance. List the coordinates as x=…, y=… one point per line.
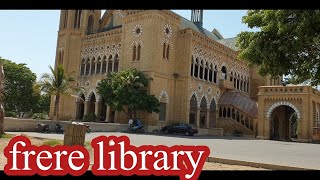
x=29, y=125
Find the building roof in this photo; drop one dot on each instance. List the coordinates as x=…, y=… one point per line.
x=240, y=101
x=229, y=42
x=185, y=23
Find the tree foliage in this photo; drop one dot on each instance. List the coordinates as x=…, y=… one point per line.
x=127, y=91
x=18, y=87
x=58, y=83
x=288, y=43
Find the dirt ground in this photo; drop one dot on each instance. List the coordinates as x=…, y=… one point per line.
x=39, y=141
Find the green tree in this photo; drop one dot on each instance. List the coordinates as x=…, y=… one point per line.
x=18, y=88
x=287, y=43
x=58, y=83
x=127, y=91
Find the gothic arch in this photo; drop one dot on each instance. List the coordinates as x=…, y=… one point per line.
x=197, y=98
x=207, y=100
x=91, y=92
x=283, y=103
x=165, y=94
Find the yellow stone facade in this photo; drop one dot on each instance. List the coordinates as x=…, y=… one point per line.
x=191, y=69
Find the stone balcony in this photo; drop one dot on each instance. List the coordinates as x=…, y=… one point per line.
x=226, y=84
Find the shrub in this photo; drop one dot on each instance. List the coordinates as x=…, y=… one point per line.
x=10, y=114
x=90, y=118
x=38, y=116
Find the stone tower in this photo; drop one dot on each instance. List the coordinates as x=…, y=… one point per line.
x=74, y=25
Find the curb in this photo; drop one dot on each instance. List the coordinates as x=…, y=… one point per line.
x=253, y=164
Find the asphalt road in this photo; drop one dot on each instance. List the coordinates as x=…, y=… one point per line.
x=292, y=154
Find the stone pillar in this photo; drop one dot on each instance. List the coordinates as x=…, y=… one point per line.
x=97, y=108
x=107, y=114
x=198, y=118
x=86, y=107
x=208, y=119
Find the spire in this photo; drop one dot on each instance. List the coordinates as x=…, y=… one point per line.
x=197, y=18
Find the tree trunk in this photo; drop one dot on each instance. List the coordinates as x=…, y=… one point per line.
x=1, y=120
x=57, y=104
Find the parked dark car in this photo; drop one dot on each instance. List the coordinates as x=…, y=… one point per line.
x=181, y=128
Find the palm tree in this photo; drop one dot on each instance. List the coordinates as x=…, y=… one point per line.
x=58, y=83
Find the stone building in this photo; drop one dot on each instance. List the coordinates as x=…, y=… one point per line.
x=196, y=75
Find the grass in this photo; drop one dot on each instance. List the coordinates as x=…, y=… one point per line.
x=6, y=136
x=52, y=142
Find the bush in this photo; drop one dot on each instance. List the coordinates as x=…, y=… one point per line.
x=237, y=132
x=38, y=116
x=90, y=118
x=10, y=114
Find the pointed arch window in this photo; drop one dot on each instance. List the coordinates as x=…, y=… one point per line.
x=110, y=62
x=206, y=69
x=93, y=68
x=82, y=67
x=116, y=63
x=134, y=53
x=192, y=66
x=164, y=51
x=77, y=19
x=139, y=52
x=201, y=70
x=168, y=49
x=104, y=65
x=224, y=72
x=88, y=66
x=211, y=73
x=196, y=68
x=90, y=25
x=65, y=21
x=98, y=65
x=215, y=74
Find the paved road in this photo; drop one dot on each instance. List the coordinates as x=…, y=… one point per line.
x=262, y=151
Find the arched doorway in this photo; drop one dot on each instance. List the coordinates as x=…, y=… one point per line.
x=92, y=102
x=203, y=112
x=193, y=110
x=284, y=124
x=213, y=107
x=223, y=72
x=80, y=107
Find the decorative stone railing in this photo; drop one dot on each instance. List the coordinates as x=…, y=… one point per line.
x=282, y=89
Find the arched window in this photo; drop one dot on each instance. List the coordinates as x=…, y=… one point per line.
x=220, y=112
x=90, y=25
x=65, y=21
x=134, y=53
x=238, y=80
x=206, y=69
x=168, y=49
x=233, y=114
x=77, y=19
x=224, y=112
x=93, y=67
x=245, y=84
x=98, y=66
x=196, y=68
x=109, y=64
x=164, y=51
x=215, y=74
x=193, y=110
x=82, y=67
x=223, y=72
x=241, y=83
x=139, y=51
x=228, y=112
x=231, y=77
x=201, y=69
x=235, y=80
x=210, y=73
x=104, y=65
x=116, y=62
x=237, y=116
x=88, y=67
